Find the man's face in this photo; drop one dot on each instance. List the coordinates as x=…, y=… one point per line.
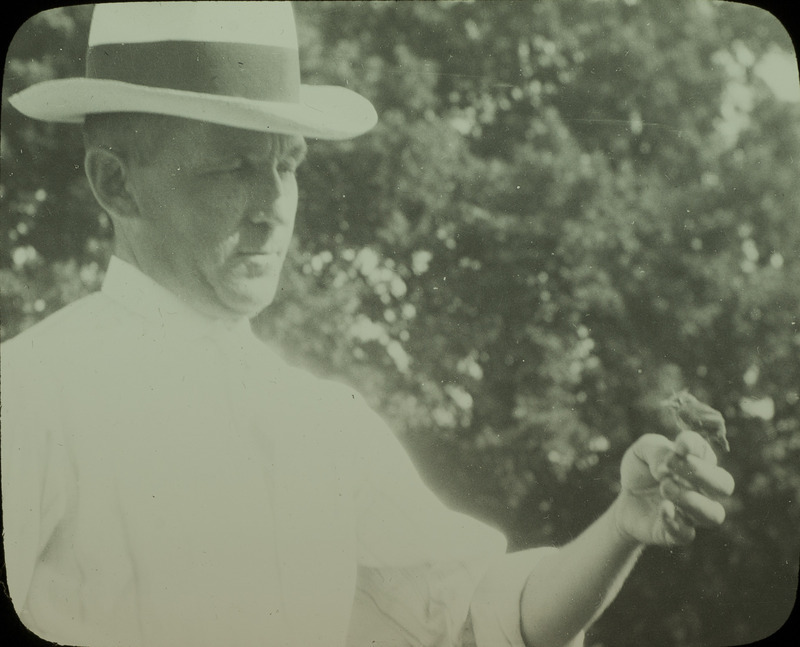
x=216, y=210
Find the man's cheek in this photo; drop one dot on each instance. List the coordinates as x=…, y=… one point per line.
x=223, y=198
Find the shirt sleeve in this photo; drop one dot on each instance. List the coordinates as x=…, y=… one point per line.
x=423, y=569
x=427, y=575
x=495, y=607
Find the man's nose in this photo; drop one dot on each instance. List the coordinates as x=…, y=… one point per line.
x=265, y=190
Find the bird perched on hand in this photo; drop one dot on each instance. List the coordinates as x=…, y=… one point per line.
x=691, y=414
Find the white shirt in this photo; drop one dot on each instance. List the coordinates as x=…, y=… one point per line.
x=169, y=481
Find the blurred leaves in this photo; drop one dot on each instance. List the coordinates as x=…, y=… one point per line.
x=568, y=211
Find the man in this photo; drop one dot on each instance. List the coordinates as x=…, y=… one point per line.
x=182, y=485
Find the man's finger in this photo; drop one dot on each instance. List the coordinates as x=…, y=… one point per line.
x=707, y=477
x=690, y=443
x=678, y=531
x=700, y=510
x=653, y=450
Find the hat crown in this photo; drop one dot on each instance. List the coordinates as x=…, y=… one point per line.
x=256, y=23
x=234, y=49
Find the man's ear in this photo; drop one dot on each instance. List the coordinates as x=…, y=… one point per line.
x=108, y=177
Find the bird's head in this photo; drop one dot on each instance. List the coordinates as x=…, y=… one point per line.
x=677, y=400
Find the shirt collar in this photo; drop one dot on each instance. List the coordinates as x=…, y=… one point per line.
x=144, y=297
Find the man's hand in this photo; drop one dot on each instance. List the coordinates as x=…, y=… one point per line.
x=669, y=489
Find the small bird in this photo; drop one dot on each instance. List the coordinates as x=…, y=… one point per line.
x=691, y=414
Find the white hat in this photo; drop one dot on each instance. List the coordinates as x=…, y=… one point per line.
x=231, y=63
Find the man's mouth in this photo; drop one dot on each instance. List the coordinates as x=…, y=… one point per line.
x=258, y=264
x=271, y=250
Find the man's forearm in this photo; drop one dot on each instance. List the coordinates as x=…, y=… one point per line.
x=571, y=588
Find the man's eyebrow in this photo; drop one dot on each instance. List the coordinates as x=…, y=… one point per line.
x=287, y=147
x=211, y=162
x=284, y=148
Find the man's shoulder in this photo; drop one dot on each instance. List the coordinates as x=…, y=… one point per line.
x=74, y=325
x=318, y=388
x=316, y=391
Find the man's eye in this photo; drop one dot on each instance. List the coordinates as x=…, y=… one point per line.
x=286, y=166
x=235, y=167
x=222, y=169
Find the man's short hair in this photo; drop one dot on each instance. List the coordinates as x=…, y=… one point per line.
x=134, y=136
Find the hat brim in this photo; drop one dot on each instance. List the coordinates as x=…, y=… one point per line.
x=323, y=112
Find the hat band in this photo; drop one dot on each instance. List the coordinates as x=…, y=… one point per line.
x=261, y=72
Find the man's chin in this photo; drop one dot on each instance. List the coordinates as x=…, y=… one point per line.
x=248, y=302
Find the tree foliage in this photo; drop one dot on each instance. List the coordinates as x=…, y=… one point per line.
x=568, y=211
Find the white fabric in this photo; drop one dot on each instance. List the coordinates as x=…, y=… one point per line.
x=169, y=481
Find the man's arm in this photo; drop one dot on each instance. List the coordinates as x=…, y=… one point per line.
x=568, y=591
x=668, y=489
